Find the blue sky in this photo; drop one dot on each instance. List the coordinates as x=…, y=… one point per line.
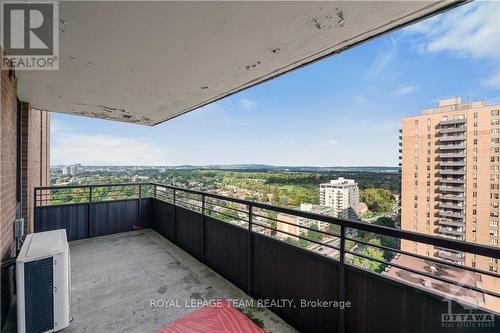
x=344, y=110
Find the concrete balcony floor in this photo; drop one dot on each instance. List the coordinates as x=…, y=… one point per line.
x=115, y=277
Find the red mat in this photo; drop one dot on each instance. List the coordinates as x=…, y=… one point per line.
x=222, y=318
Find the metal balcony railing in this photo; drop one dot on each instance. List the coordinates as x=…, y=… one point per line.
x=452, y=197
x=451, y=180
x=448, y=130
x=450, y=154
x=235, y=237
x=452, y=214
x=452, y=122
x=450, y=231
x=451, y=164
x=451, y=189
x=451, y=206
x=450, y=223
x=449, y=138
x=457, y=172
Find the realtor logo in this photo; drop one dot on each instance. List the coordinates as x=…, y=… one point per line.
x=30, y=35
x=471, y=316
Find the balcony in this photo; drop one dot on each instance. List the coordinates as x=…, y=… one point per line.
x=451, y=189
x=455, y=172
x=449, y=130
x=451, y=154
x=450, y=223
x=450, y=231
x=451, y=180
x=452, y=122
x=451, y=206
x=445, y=164
x=451, y=214
x=127, y=271
x=451, y=138
x=452, y=197
x=447, y=147
x=195, y=245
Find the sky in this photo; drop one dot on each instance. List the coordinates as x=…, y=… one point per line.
x=342, y=111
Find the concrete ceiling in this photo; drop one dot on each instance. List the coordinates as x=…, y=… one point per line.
x=147, y=62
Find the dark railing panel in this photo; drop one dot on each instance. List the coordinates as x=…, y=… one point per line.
x=146, y=213
x=72, y=217
x=188, y=231
x=281, y=270
x=379, y=304
x=226, y=251
x=251, y=257
x=163, y=219
x=113, y=217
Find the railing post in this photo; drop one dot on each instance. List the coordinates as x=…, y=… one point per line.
x=342, y=278
x=35, y=190
x=203, y=236
x=174, y=217
x=139, y=200
x=250, y=252
x=89, y=211
x=154, y=191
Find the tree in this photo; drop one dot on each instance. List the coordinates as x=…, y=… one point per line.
x=313, y=234
x=371, y=252
x=378, y=199
x=386, y=222
x=387, y=241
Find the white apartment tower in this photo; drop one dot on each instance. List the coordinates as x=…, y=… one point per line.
x=342, y=195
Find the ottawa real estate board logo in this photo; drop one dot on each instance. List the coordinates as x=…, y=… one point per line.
x=30, y=35
x=466, y=314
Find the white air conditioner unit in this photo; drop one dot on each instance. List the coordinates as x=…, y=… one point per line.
x=43, y=282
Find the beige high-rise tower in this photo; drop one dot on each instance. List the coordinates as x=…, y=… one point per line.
x=450, y=177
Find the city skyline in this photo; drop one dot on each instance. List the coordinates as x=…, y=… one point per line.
x=318, y=115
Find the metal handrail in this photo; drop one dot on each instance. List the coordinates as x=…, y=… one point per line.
x=473, y=248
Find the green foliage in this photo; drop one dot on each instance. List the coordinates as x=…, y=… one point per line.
x=278, y=187
x=297, y=242
x=313, y=234
x=386, y=222
x=371, y=252
x=378, y=199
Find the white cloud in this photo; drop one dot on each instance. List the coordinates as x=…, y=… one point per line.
x=404, y=90
x=107, y=150
x=493, y=81
x=384, y=55
x=471, y=30
x=247, y=104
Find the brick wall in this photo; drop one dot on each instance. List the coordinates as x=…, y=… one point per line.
x=35, y=171
x=8, y=117
x=36, y=158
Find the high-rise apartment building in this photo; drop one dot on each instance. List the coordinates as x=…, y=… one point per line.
x=342, y=195
x=450, y=177
x=70, y=169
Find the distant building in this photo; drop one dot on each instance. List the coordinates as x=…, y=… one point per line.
x=65, y=170
x=288, y=228
x=71, y=169
x=292, y=225
x=362, y=208
x=342, y=195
